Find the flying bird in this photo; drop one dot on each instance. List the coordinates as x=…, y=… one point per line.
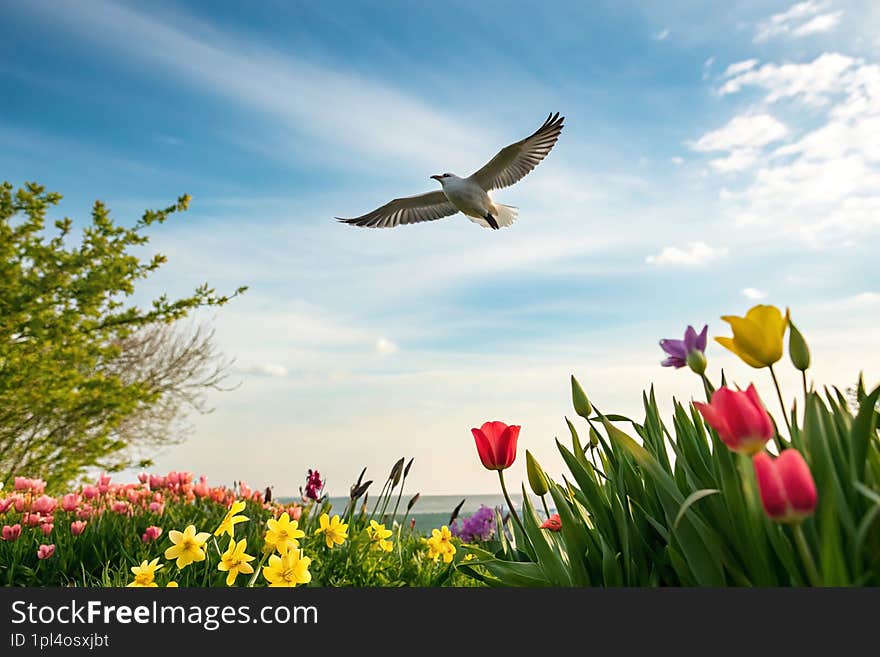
x=470, y=195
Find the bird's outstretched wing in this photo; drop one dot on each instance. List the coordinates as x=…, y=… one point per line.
x=513, y=162
x=407, y=210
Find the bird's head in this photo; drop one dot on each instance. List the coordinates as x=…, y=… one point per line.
x=443, y=178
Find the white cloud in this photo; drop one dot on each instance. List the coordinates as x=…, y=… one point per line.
x=696, y=254
x=754, y=294
x=813, y=82
x=385, y=346
x=677, y=160
x=662, y=35
x=740, y=67
x=824, y=184
x=801, y=19
x=263, y=369
x=707, y=67
x=742, y=132
x=738, y=160
x=822, y=23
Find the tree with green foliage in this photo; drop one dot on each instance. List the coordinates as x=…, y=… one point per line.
x=82, y=368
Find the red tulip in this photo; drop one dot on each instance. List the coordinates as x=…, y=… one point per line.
x=45, y=551
x=787, y=489
x=496, y=444
x=553, y=523
x=77, y=527
x=740, y=419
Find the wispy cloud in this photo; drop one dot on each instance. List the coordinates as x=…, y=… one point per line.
x=662, y=35
x=754, y=294
x=263, y=369
x=743, y=137
x=384, y=347
x=694, y=255
x=800, y=19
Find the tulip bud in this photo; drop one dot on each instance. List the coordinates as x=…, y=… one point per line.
x=412, y=502
x=579, y=399
x=696, y=360
x=788, y=492
x=797, y=348
x=537, y=478
x=455, y=512
x=408, y=466
x=594, y=437
x=396, y=471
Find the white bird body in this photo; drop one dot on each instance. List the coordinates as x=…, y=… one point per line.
x=470, y=195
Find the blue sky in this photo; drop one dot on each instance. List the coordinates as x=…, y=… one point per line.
x=715, y=155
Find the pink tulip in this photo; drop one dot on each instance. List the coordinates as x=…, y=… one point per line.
x=156, y=482
x=104, y=483
x=45, y=551
x=11, y=532
x=46, y=528
x=151, y=534
x=86, y=512
x=122, y=508
x=6, y=503
x=788, y=492
x=739, y=418
x=157, y=508
x=70, y=502
x=77, y=527
x=90, y=492
x=143, y=477
x=20, y=502
x=295, y=512
x=44, y=504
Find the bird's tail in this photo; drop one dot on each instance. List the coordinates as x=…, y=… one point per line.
x=506, y=216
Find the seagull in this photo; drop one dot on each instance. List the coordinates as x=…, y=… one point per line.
x=470, y=195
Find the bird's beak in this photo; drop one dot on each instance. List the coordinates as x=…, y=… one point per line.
x=436, y=177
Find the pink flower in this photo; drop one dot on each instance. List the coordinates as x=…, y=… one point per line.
x=20, y=502
x=11, y=532
x=44, y=504
x=173, y=478
x=157, y=508
x=86, y=512
x=143, y=477
x=202, y=489
x=104, y=483
x=122, y=508
x=788, y=492
x=90, y=492
x=70, y=502
x=35, y=486
x=553, y=523
x=739, y=418
x=6, y=503
x=46, y=528
x=77, y=527
x=157, y=482
x=295, y=512
x=45, y=551
x=22, y=483
x=151, y=534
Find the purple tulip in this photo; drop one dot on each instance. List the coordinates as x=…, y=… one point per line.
x=693, y=347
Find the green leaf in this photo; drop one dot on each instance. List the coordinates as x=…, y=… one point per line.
x=863, y=428
x=694, y=497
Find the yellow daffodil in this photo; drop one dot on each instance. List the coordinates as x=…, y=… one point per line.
x=288, y=569
x=379, y=536
x=231, y=520
x=171, y=585
x=757, y=337
x=440, y=545
x=188, y=546
x=335, y=531
x=144, y=575
x=282, y=534
x=234, y=561
x=470, y=556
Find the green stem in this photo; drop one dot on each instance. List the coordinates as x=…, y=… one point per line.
x=510, y=504
x=544, y=502
x=806, y=555
x=707, y=387
x=397, y=503
x=776, y=438
x=257, y=570
x=804, y=381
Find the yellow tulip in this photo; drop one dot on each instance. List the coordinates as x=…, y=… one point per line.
x=757, y=337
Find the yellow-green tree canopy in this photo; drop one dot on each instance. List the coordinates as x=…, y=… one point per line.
x=65, y=321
